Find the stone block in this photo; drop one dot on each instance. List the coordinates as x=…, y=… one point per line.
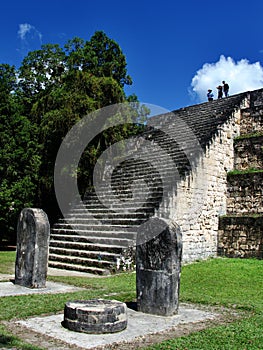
x=33, y=232
x=95, y=316
x=158, y=268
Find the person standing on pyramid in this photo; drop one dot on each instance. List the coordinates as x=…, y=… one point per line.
x=220, y=91
x=225, y=88
x=210, y=95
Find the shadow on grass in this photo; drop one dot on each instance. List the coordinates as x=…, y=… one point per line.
x=7, y=248
x=6, y=340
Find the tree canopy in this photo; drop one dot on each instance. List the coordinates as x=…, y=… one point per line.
x=39, y=102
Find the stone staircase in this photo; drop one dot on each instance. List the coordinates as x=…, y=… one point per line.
x=241, y=230
x=103, y=241
x=100, y=237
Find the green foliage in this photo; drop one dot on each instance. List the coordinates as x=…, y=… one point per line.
x=7, y=80
x=248, y=136
x=56, y=88
x=244, y=172
x=101, y=56
x=19, y=164
x=41, y=70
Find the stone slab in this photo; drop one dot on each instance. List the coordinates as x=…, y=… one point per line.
x=158, y=267
x=139, y=324
x=10, y=289
x=33, y=233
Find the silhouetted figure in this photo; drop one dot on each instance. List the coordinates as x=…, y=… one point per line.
x=225, y=88
x=220, y=91
x=210, y=95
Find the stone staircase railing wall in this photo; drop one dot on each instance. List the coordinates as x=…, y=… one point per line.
x=205, y=191
x=199, y=199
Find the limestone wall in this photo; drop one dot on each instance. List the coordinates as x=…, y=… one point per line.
x=241, y=237
x=201, y=197
x=249, y=153
x=245, y=193
x=205, y=195
x=252, y=121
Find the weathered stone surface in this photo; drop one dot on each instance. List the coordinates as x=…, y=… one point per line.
x=95, y=316
x=33, y=232
x=158, y=268
x=240, y=237
x=249, y=153
x=196, y=200
x=252, y=119
x=244, y=193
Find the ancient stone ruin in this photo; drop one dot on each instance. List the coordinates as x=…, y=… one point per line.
x=33, y=232
x=158, y=268
x=219, y=213
x=95, y=316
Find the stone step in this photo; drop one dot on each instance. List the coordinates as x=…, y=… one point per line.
x=159, y=169
x=109, y=215
x=140, y=207
x=80, y=260
x=126, y=193
x=80, y=268
x=149, y=187
x=79, y=219
x=150, y=163
x=91, y=254
x=91, y=226
x=92, y=233
x=110, y=208
x=123, y=242
x=137, y=181
x=154, y=161
x=85, y=246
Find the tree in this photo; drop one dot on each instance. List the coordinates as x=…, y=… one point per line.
x=52, y=90
x=101, y=56
x=19, y=158
x=7, y=79
x=7, y=86
x=40, y=71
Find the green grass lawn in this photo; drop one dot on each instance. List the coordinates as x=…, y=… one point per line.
x=7, y=262
x=234, y=283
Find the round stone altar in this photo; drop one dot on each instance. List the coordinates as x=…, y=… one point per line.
x=95, y=316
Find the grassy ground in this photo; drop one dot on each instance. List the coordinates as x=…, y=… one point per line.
x=7, y=262
x=234, y=283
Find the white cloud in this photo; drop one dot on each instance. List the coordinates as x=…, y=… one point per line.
x=26, y=29
x=241, y=76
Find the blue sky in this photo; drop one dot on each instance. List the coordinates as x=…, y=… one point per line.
x=175, y=50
